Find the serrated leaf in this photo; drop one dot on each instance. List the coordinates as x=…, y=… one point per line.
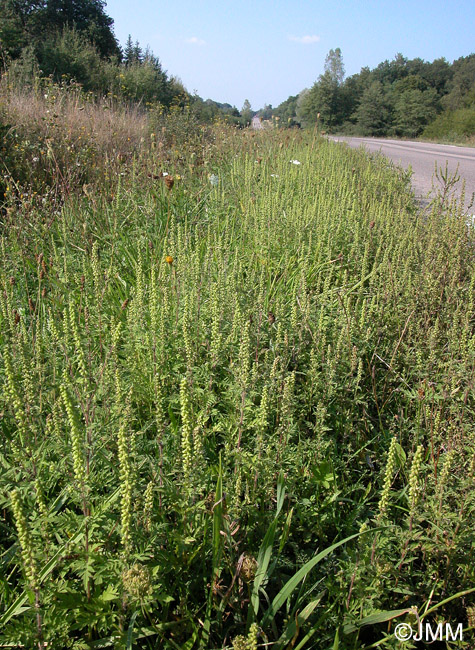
x=109, y=594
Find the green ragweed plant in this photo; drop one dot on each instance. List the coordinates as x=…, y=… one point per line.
x=172, y=357
x=388, y=479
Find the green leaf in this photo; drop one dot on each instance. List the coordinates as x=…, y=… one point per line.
x=287, y=590
x=218, y=520
x=280, y=493
x=265, y=551
x=17, y=606
x=292, y=629
x=323, y=474
x=374, y=619
x=285, y=533
x=109, y=593
x=336, y=642
x=130, y=631
x=400, y=455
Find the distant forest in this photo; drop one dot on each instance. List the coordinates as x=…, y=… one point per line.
x=402, y=97
x=73, y=40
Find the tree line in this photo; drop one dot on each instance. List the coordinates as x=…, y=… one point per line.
x=403, y=97
x=73, y=40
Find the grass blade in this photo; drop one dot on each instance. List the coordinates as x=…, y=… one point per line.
x=290, y=585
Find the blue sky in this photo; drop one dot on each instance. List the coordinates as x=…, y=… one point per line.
x=267, y=50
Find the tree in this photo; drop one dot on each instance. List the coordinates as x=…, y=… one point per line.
x=145, y=80
x=462, y=85
x=304, y=109
x=27, y=22
x=438, y=74
x=137, y=54
x=246, y=113
x=350, y=94
x=413, y=110
x=128, y=58
x=70, y=55
x=372, y=114
x=287, y=111
x=390, y=71
x=19, y=25
x=266, y=112
x=325, y=97
x=334, y=66
x=88, y=17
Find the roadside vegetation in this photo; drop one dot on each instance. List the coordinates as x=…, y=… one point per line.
x=237, y=391
x=236, y=376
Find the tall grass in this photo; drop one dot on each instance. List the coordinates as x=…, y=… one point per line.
x=237, y=408
x=56, y=141
x=56, y=138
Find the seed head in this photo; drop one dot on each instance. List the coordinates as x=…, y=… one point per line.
x=248, y=568
x=137, y=583
x=169, y=181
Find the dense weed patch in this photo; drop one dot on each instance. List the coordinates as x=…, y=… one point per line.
x=237, y=404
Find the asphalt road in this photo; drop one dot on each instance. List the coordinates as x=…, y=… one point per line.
x=423, y=156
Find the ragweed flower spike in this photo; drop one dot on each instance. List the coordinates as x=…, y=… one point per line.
x=388, y=479
x=26, y=545
x=414, y=479
x=126, y=477
x=252, y=637
x=186, y=428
